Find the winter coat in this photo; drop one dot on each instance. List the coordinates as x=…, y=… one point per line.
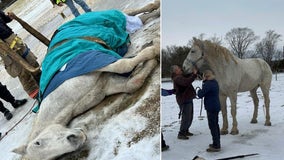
x=210, y=92
x=5, y=30
x=183, y=88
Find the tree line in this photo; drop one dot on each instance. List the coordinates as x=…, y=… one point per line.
x=240, y=42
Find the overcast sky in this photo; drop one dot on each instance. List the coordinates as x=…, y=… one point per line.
x=184, y=19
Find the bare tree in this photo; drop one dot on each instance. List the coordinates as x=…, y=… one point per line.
x=267, y=48
x=216, y=40
x=239, y=40
x=173, y=55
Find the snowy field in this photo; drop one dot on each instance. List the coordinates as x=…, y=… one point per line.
x=252, y=138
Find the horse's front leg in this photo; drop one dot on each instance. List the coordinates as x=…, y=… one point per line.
x=127, y=64
x=233, y=99
x=223, y=102
x=255, y=102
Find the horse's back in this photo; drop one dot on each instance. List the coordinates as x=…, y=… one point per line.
x=255, y=73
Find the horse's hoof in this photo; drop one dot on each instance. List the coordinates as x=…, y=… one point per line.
x=267, y=124
x=234, y=132
x=224, y=132
x=253, y=121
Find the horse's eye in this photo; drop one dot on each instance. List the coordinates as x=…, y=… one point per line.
x=37, y=143
x=192, y=51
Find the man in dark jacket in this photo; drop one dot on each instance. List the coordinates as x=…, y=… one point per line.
x=8, y=97
x=10, y=41
x=210, y=92
x=185, y=93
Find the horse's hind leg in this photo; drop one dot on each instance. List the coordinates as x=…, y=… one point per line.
x=120, y=84
x=255, y=102
x=223, y=102
x=145, y=17
x=265, y=91
x=125, y=65
x=148, y=8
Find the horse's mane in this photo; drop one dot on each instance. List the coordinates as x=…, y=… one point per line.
x=215, y=50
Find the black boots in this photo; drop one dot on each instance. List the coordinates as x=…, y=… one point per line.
x=213, y=148
x=18, y=103
x=8, y=115
x=164, y=148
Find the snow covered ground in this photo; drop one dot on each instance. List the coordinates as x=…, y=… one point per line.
x=252, y=138
x=129, y=133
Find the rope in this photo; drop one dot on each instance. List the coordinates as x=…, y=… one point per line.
x=197, y=88
x=6, y=133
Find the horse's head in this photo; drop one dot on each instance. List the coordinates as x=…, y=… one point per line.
x=52, y=142
x=195, y=57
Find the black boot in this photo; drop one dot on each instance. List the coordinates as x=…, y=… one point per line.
x=8, y=115
x=18, y=103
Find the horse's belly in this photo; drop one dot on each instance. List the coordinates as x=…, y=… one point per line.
x=248, y=83
x=74, y=89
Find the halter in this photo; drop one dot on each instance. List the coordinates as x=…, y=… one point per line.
x=194, y=62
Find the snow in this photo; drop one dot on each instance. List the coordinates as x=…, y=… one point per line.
x=110, y=134
x=267, y=141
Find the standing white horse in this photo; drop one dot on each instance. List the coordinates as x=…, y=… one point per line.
x=233, y=75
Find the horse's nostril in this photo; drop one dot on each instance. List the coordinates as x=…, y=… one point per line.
x=71, y=137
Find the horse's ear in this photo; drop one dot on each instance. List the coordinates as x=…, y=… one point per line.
x=20, y=150
x=199, y=43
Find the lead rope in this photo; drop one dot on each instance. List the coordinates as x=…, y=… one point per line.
x=6, y=133
x=201, y=104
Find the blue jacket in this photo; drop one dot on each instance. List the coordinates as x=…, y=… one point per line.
x=210, y=92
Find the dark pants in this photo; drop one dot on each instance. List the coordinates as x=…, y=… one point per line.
x=186, y=117
x=214, y=128
x=163, y=141
x=74, y=10
x=6, y=95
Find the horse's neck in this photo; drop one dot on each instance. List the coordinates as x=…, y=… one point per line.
x=221, y=65
x=43, y=121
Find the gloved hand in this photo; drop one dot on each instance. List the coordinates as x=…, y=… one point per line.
x=167, y=92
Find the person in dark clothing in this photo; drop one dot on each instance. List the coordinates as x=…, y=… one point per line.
x=71, y=5
x=10, y=42
x=210, y=92
x=164, y=145
x=165, y=92
x=8, y=97
x=185, y=93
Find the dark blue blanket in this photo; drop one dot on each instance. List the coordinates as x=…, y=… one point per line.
x=81, y=64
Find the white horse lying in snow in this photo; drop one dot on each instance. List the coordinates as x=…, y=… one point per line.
x=50, y=138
